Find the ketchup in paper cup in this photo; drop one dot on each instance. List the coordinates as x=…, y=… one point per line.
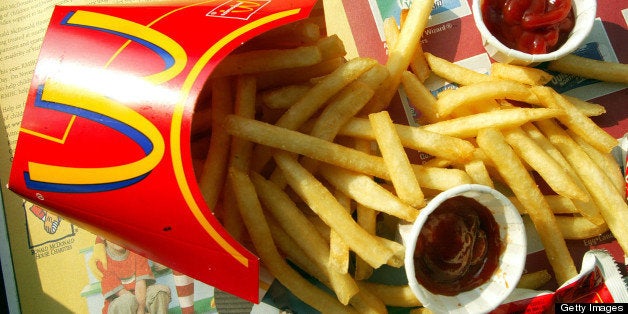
x=516, y=35
x=466, y=251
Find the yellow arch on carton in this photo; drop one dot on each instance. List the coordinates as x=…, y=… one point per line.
x=139, y=31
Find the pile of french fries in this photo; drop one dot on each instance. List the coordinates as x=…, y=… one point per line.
x=299, y=159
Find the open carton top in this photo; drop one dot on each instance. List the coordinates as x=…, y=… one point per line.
x=105, y=138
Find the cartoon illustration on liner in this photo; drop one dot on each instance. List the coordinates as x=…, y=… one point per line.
x=184, y=284
x=50, y=219
x=128, y=284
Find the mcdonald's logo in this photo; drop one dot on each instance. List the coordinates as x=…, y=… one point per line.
x=241, y=10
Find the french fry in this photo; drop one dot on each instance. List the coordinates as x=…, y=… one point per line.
x=481, y=91
x=610, y=202
x=421, y=310
x=323, y=91
x=244, y=106
x=534, y=280
x=338, y=249
x=344, y=106
x=400, y=170
x=400, y=295
x=522, y=184
x=438, y=162
x=555, y=176
x=571, y=225
x=558, y=203
x=240, y=154
x=285, y=96
x=586, y=209
x=252, y=214
x=300, y=229
x=454, y=73
x=298, y=75
x=314, y=99
x=366, y=191
x=347, y=103
x=363, y=301
x=478, y=173
x=375, y=76
x=320, y=225
x=257, y=61
x=391, y=32
x=575, y=120
x=590, y=68
x=321, y=201
x=605, y=161
x=396, y=260
x=303, y=144
x=578, y=228
x=586, y=108
x=331, y=47
x=421, y=97
x=521, y=74
x=214, y=171
x=366, y=218
x=432, y=143
x=229, y=215
x=468, y=127
x=484, y=106
x=418, y=64
x=294, y=253
x=400, y=56
x=441, y=179
x=366, y=302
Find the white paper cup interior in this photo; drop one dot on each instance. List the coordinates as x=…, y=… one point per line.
x=584, y=13
x=511, y=262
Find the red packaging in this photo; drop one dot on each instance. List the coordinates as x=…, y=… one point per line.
x=599, y=281
x=105, y=137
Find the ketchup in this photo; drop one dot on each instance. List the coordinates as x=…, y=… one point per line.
x=458, y=248
x=530, y=26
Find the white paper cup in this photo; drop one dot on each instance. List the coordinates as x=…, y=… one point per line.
x=493, y=292
x=584, y=13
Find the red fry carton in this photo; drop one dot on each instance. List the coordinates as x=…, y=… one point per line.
x=105, y=137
